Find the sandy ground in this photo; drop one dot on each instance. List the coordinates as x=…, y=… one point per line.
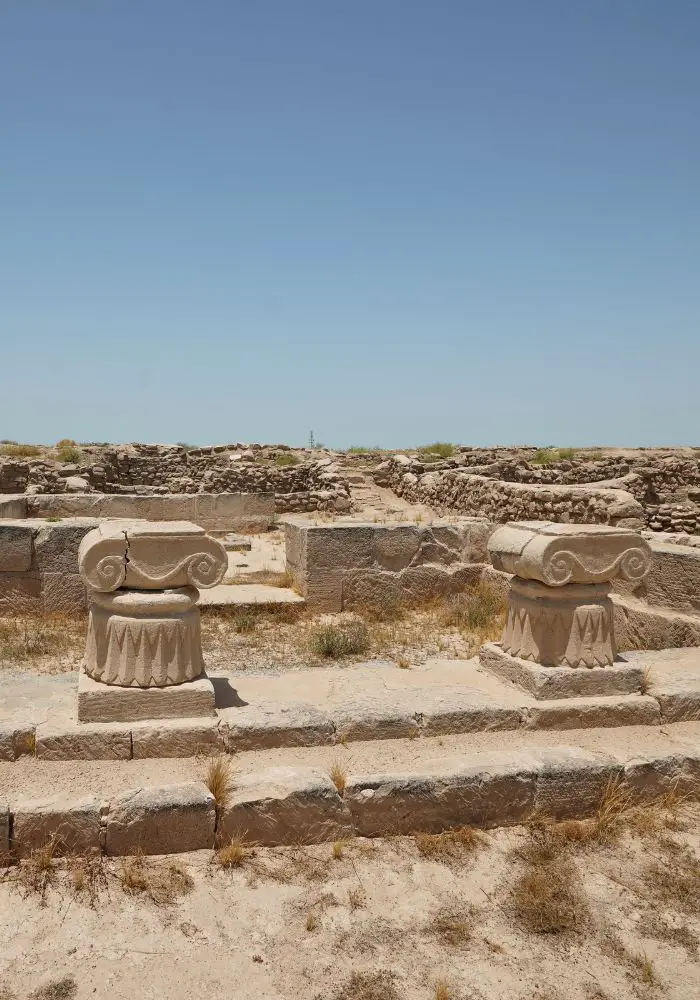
x=409, y=923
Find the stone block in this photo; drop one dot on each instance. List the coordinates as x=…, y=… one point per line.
x=460, y=714
x=396, y=546
x=13, y=507
x=593, y=713
x=63, y=592
x=73, y=825
x=365, y=588
x=343, y=546
x=673, y=581
x=640, y=626
x=497, y=789
x=176, y=738
x=368, y=720
x=15, y=548
x=16, y=739
x=678, y=704
x=70, y=741
x=99, y=702
x=651, y=775
x=571, y=782
x=4, y=832
x=169, y=819
x=20, y=585
x=552, y=683
x=56, y=546
x=285, y=805
x=323, y=590
x=257, y=727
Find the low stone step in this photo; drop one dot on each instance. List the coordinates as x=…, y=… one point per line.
x=272, y=804
x=247, y=595
x=332, y=706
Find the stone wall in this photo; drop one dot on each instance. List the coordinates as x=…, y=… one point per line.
x=215, y=512
x=666, y=487
x=500, y=501
x=313, y=484
x=355, y=565
x=39, y=559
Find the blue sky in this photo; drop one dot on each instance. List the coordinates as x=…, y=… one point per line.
x=389, y=221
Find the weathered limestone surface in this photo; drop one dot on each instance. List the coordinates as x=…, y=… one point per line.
x=144, y=629
x=176, y=738
x=4, y=831
x=72, y=825
x=559, y=610
x=571, y=782
x=285, y=805
x=594, y=713
x=67, y=740
x=15, y=548
x=560, y=554
x=550, y=683
x=353, y=565
x=16, y=740
x=98, y=702
x=253, y=727
x=164, y=820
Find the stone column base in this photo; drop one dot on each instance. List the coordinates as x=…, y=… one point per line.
x=99, y=702
x=569, y=626
x=554, y=683
x=144, y=638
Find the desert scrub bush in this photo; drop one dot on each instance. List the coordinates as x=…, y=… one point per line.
x=371, y=985
x=12, y=450
x=69, y=455
x=450, y=844
x=566, y=454
x=548, y=899
x=286, y=458
x=480, y=609
x=335, y=641
x=65, y=443
x=545, y=456
x=161, y=881
x=441, y=449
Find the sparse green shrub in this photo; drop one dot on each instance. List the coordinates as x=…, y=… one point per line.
x=20, y=450
x=545, y=456
x=443, y=449
x=335, y=641
x=65, y=443
x=286, y=458
x=70, y=455
x=566, y=454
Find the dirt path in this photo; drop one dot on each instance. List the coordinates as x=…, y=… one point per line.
x=379, y=502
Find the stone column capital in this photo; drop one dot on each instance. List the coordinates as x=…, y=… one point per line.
x=560, y=554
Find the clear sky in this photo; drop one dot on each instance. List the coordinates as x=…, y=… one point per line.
x=389, y=221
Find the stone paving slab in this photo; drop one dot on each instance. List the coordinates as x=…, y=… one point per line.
x=329, y=706
x=248, y=595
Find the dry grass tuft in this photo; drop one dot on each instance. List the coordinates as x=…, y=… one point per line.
x=36, y=872
x=645, y=686
x=479, y=611
x=403, y=662
x=219, y=781
x=379, y=985
x=28, y=633
x=86, y=876
x=338, y=850
x=547, y=898
x=333, y=642
x=339, y=777
x=232, y=855
x=311, y=921
x=357, y=898
x=58, y=989
x=449, y=845
x=452, y=925
x=442, y=990
x=160, y=881
x=673, y=882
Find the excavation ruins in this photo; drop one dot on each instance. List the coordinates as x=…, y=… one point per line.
x=371, y=724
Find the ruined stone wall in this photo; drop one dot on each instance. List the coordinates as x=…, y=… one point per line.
x=479, y=496
x=312, y=484
x=663, y=495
